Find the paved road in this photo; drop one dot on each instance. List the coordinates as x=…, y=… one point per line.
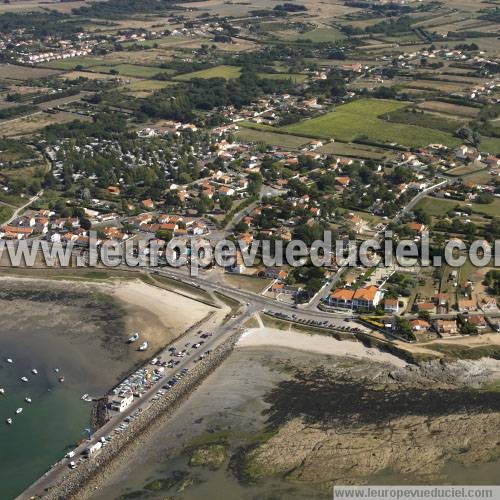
x=21, y=208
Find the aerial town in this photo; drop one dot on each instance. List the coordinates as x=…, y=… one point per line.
x=142, y=124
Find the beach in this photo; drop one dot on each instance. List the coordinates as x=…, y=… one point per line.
x=312, y=343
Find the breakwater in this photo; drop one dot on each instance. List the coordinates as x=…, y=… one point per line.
x=86, y=477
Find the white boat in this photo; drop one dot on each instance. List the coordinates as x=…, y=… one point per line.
x=19, y=410
x=2, y=390
x=56, y=370
x=34, y=371
x=28, y=400
x=9, y=421
x=143, y=346
x=24, y=379
x=9, y=360
x=134, y=337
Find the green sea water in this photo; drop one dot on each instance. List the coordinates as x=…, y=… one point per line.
x=46, y=428
x=80, y=339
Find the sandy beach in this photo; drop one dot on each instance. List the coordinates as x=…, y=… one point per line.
x=320, y=344
x=159, y=315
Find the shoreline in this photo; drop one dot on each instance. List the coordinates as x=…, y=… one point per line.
x=315, y=343
x=119, y=307
x=158, y=314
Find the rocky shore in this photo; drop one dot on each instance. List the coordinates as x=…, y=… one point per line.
x=345, y=427
x=78, y=482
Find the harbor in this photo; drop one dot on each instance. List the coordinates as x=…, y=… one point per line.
x=45, y=327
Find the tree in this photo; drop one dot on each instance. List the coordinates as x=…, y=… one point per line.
x=164, y=234
x=226, y=203
x=85, y=223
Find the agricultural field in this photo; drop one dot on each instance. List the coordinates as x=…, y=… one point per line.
x=449, y=109
x=360, y=119
x=294, y=77
x=144, y=88
x=132, y=70
x=227, y=72
x=33, y=5
x=72, y=75
x=423, y=119
x=317, y=35
x=72, y=62
x=33, y=123
x=24, y=73
x=354, y=150
x=436, y=86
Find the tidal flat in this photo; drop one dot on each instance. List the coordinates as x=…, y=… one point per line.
x=277, y=423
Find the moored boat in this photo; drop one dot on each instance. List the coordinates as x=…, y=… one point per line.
x=9, y=360
x=134, y=337
x=2, y=390
x=28, y=400
x=24, y=379
x=19, y=410
x=34, y=371
x=143, y=346
x=61, y=379
x=9, y=421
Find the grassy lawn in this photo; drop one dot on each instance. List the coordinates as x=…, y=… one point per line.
x=248, y=283
x=130, y=70
x=437, y=206
x=271, y=138
x=360, y=118
x=227, y=72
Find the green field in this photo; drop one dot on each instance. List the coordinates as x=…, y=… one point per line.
x=146, y=85
x=354, y=150
x=317, y=35
x=132, y=70
x=490, y=144
x=227, y=72
x=359, y=119
x=294, y=77
x=72, y=62
x=437, y=206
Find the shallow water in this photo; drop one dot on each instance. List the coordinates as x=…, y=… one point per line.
x=230, y=404
x=45, y=334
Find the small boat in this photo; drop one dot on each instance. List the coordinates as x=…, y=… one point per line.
x=24, y=379
x=34, y=371
x=28, y=400
x=143, y=346
x=56, y=370
x=61, y=379
x=9, y=421
x=2, y=390
x=19, y=410
x=9, y=360
x=134, y=337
